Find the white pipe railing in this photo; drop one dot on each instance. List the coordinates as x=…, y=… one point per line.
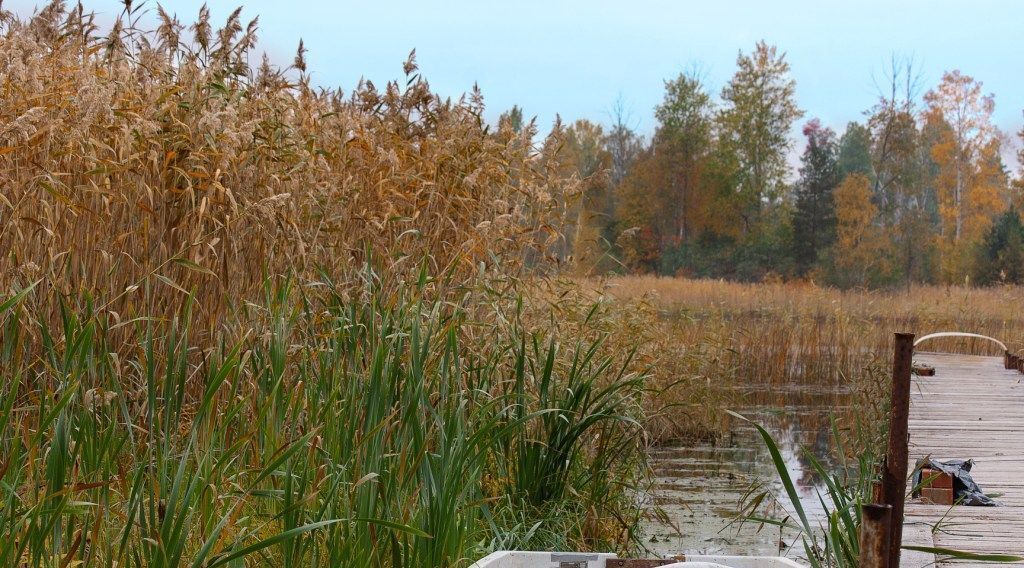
x=959, y=334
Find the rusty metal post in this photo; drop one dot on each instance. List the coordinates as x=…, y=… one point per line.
x=894, y=477
x=875, y=529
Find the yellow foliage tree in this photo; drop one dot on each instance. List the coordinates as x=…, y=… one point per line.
x=987, y=196
x=860, y=243
x=970, y=181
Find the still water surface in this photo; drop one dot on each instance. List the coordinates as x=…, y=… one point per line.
x=700, y=488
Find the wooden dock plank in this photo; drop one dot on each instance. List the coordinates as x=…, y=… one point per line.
x=971, y=408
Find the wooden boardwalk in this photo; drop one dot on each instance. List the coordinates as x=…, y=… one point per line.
x=971, y=408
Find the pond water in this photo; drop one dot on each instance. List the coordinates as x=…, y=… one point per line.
x=700, y=489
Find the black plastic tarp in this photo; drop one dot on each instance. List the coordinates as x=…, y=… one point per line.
x=965, y=490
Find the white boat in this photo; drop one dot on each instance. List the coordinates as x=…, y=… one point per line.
x=522, y=559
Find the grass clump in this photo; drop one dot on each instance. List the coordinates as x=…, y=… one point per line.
x=365, y=432
x=833, y=540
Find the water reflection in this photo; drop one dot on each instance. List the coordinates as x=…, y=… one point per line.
x=700, y=488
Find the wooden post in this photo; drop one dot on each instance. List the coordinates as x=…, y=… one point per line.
x=876, y=492
x=894, y=477
x=1006, y=359
x=875, y=529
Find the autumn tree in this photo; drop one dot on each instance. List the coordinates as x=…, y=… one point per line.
x=624, y=148
x=759, y=111
x=898, y=167
x=895, y=157
x=858, y=252
x=638, y=213
x=623, y=143
x=712, y=182
x=988, y=195
x=1017, y=188
x=665, y=198
x=958, y=103
x=965, y=153
x=814, y=211
x=684, y=140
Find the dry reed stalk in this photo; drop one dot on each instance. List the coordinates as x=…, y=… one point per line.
x=144, y=163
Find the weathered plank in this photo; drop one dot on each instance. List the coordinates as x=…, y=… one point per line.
x=971, y=408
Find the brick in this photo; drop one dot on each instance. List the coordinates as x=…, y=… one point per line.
x=937, y=496
x=939, y=480
x=922, y=370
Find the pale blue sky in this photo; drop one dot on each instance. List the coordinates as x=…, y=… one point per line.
x=576, y=57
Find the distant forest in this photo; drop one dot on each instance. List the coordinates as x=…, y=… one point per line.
x=916, y=192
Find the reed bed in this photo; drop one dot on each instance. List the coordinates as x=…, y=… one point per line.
x=164, y=156
x=840, y=321
x=246, y=321
x=798, y=337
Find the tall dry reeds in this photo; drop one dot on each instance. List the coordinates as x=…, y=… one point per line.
x=246, y=320
x=837, y=322
x=800, y=338
x=161, y=160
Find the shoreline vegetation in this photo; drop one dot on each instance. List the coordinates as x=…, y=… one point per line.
x=247, y=321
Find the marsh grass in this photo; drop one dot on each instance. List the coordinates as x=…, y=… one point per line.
x=799, y=338
x=340, y=433
x=255, y=322
x=812, y=320
x=143, y=162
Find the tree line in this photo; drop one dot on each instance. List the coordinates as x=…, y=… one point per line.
x=917, y=191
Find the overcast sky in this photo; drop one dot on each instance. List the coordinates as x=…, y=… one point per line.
x=576, y=57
